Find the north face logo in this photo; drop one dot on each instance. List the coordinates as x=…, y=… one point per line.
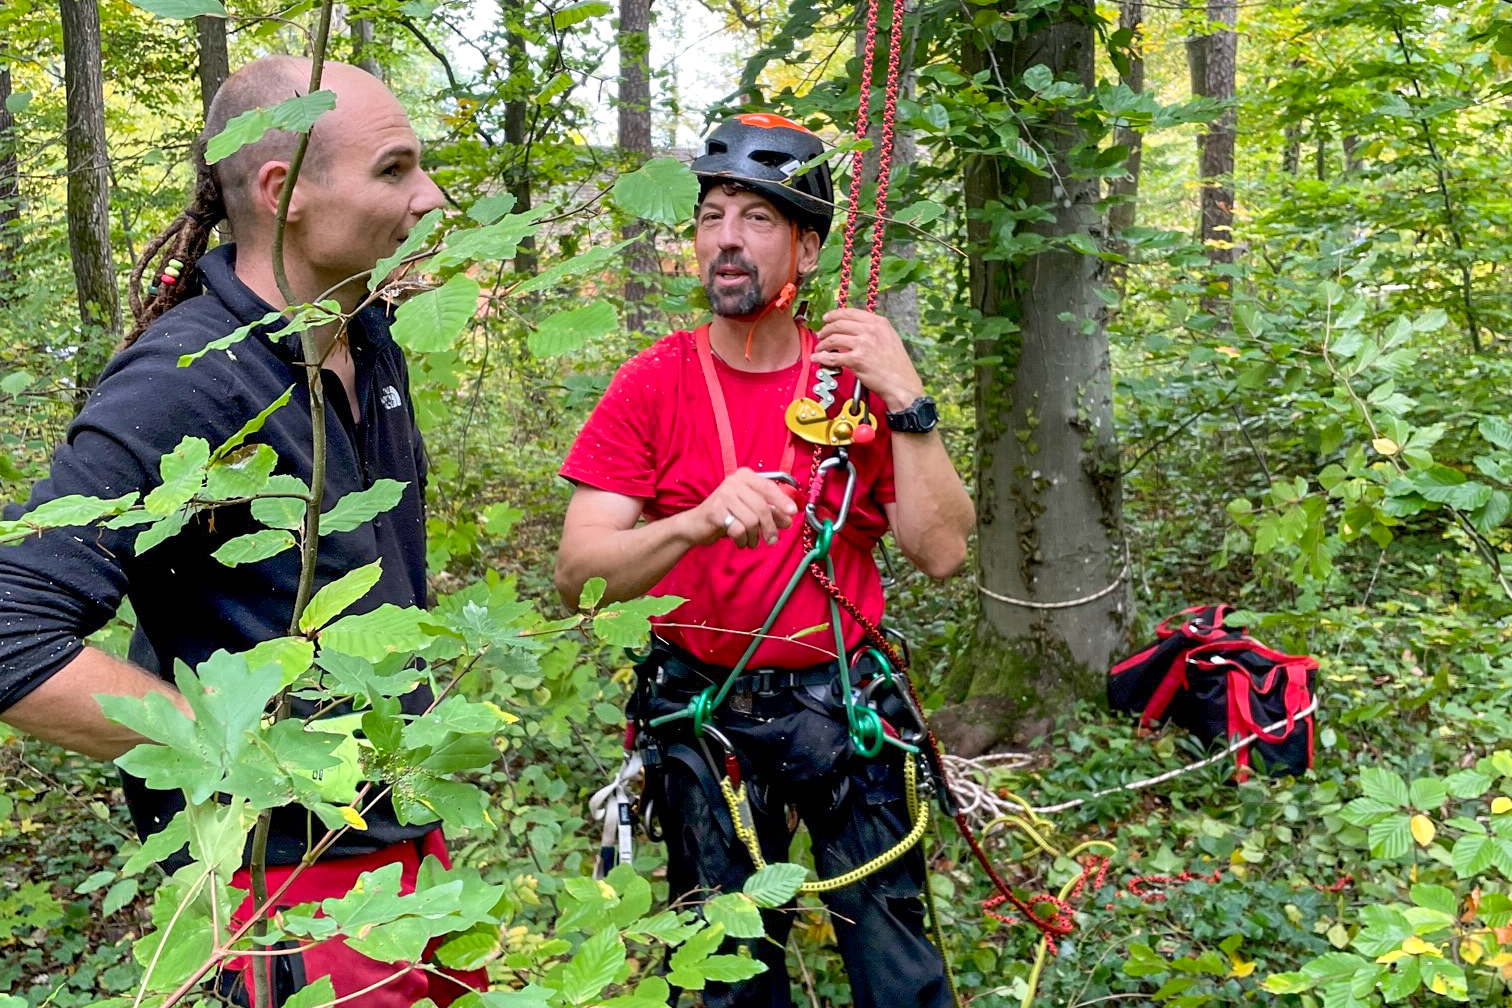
x=390, y=397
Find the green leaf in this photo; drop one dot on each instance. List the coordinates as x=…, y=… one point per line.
x=1473, y=855
x=597, y=964
x=254, y=547
x=334, y=599
x=568, y=330
x=1427, y=793
x=1436, y=897
x=244, y=472
x=120, y=894
x=1288, y=983
x=661, y=190
x=775, y=885
x=1385, y=786
x=17, y=102
x=356, y=509
x=1038, y=77
x=1391, y=838
x=284, y=512
x=579, y=12
x=159, y=845
x=183, y=473
x=16, y=381
x=730, y=968
x=314, y=994
x=493, y=241
x=294, y=115
x=683, y=965
x=193, y=754
x=920, y=213
x=470, y=949
x=1405, y=979
x=232, y=338
x=433, y=321
x=488, y=209
x=737, y=913
x=580, y=265
x=1496, y=430
x=64, y=512
x=182, y=10
x=293, y=655
x=387, y=630
x=417, y=236
x=593, y=591
x=252, y=426
x=628, y=624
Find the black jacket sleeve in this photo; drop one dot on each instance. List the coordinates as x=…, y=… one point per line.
x=63, y=584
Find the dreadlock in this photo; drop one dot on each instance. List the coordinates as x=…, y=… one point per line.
x=184, y=240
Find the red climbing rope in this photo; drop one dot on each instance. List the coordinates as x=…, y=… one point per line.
x=884, y=154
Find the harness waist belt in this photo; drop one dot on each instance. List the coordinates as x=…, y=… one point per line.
x=679, y=670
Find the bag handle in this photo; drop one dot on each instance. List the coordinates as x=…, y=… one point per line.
x=1164, y=629
x=1295, y=697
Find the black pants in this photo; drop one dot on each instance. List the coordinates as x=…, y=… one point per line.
x=792, y=752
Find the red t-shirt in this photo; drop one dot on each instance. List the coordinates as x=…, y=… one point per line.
x=653, y=437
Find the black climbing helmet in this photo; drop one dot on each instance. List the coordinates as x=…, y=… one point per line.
x=761, y=152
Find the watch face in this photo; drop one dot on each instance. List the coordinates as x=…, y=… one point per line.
x=920, y=416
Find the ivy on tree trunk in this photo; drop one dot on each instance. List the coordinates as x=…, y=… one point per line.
x=1048, y=484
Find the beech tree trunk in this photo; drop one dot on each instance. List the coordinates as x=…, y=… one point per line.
x=1055, y=605
x=214, y=60
x=641, y=258
x=10, y=193
x=88, y=191
x=1211, y=59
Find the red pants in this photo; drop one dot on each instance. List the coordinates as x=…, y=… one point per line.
x=393, y=984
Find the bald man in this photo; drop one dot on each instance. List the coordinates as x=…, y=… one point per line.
x=360, y=192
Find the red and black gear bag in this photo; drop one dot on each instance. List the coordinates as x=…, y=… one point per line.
x=1150, y=682
x=1238, y=688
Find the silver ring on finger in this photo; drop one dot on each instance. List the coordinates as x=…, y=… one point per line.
x=729, y=520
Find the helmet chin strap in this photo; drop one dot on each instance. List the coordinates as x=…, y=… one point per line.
x=784, y=297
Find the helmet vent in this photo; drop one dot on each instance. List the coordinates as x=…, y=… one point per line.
x=780, y=160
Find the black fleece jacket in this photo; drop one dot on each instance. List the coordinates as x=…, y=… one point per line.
x=64, y=584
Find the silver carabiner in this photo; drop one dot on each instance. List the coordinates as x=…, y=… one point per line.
x=810, y=514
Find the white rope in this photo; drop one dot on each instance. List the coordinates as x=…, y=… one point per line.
x=968, y=776
x=1024, y=603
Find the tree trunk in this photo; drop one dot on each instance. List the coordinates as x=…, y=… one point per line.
x=635, y=150
x=1055, y=603
x=517, y=129
x=88, y=191
x=362, y=45
x=1352, y=160
x=214, y=60
x=10, y=193
x=1211, y=59
x=1124, y=190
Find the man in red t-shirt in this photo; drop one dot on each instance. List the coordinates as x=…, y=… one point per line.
x=673, y=496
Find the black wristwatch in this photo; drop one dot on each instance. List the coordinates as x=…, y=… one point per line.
x=919, y=417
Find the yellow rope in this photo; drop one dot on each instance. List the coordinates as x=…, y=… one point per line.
x=1031, y=827
x=916, y=809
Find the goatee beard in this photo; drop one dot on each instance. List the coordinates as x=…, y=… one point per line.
x=737, y=304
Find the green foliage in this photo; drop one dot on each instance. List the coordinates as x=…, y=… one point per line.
x=292, y=115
